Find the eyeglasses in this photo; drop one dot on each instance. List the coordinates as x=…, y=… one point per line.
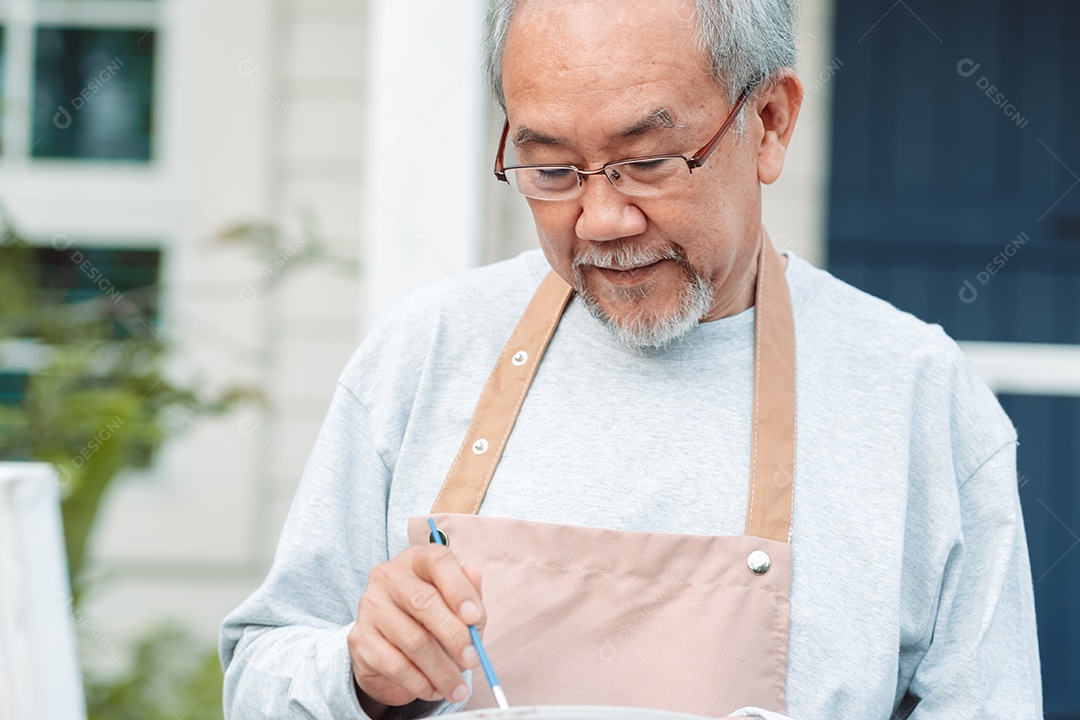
x=638, y=177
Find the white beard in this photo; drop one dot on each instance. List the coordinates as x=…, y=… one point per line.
x=653, y=329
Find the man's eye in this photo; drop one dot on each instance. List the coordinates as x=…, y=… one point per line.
x=549, y=177
x=646, y=166
x=554, y=173
x=650, y=171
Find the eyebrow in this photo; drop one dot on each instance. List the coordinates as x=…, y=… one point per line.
x=525, y=135
x=658, y=119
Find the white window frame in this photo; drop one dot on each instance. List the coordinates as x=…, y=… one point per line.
x=1027, y=368
x=119, y=203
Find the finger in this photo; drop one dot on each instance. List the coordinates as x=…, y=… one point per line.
x=384, y=673
x=426, y=606
x=473, y=574
x=427, y=653
x=441, y=568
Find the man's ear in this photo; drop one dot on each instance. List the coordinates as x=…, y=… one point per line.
x=777, y=108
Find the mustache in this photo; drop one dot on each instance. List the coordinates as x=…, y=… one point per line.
x=626, y=256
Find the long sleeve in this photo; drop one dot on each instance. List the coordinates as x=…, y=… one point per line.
x=983, y=661
x=284, y=649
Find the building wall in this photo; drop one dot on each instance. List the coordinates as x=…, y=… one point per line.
x=271, y=103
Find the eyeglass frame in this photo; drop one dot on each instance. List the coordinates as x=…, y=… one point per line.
x=695, y=161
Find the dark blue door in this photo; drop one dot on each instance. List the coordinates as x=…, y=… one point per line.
x=955, y=195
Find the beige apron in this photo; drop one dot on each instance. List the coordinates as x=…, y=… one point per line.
x=592, y=616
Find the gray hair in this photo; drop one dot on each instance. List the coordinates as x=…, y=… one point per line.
x=743, y=40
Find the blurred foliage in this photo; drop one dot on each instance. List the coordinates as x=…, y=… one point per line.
x=177, y=678
x=99, y=400
x=273, y=247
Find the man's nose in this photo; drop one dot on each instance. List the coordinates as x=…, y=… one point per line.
x=606, y=213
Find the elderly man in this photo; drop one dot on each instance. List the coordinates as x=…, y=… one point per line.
x=675, y=468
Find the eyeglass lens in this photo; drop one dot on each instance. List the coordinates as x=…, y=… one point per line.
x=636, y=177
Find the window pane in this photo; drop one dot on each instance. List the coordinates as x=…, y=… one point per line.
x=124, y=281
x=85, y=273
x=93, y=94
x=12, y=387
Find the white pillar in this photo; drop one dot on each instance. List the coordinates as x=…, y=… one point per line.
x=425, y=159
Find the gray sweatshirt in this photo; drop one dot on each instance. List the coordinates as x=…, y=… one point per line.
x=911, y=572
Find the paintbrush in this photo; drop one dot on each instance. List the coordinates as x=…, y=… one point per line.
x=489, y=671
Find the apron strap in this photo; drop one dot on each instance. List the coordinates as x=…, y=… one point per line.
x=497, y=411
x=772, y=457
x=771, y=498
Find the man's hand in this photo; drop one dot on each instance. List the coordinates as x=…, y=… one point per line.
x=411, y=637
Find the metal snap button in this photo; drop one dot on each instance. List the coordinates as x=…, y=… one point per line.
x=445, y=539
x=480, y=446
x=759, y=562
x=520, y=358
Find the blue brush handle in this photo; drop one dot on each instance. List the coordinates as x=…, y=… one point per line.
x=485, y=663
